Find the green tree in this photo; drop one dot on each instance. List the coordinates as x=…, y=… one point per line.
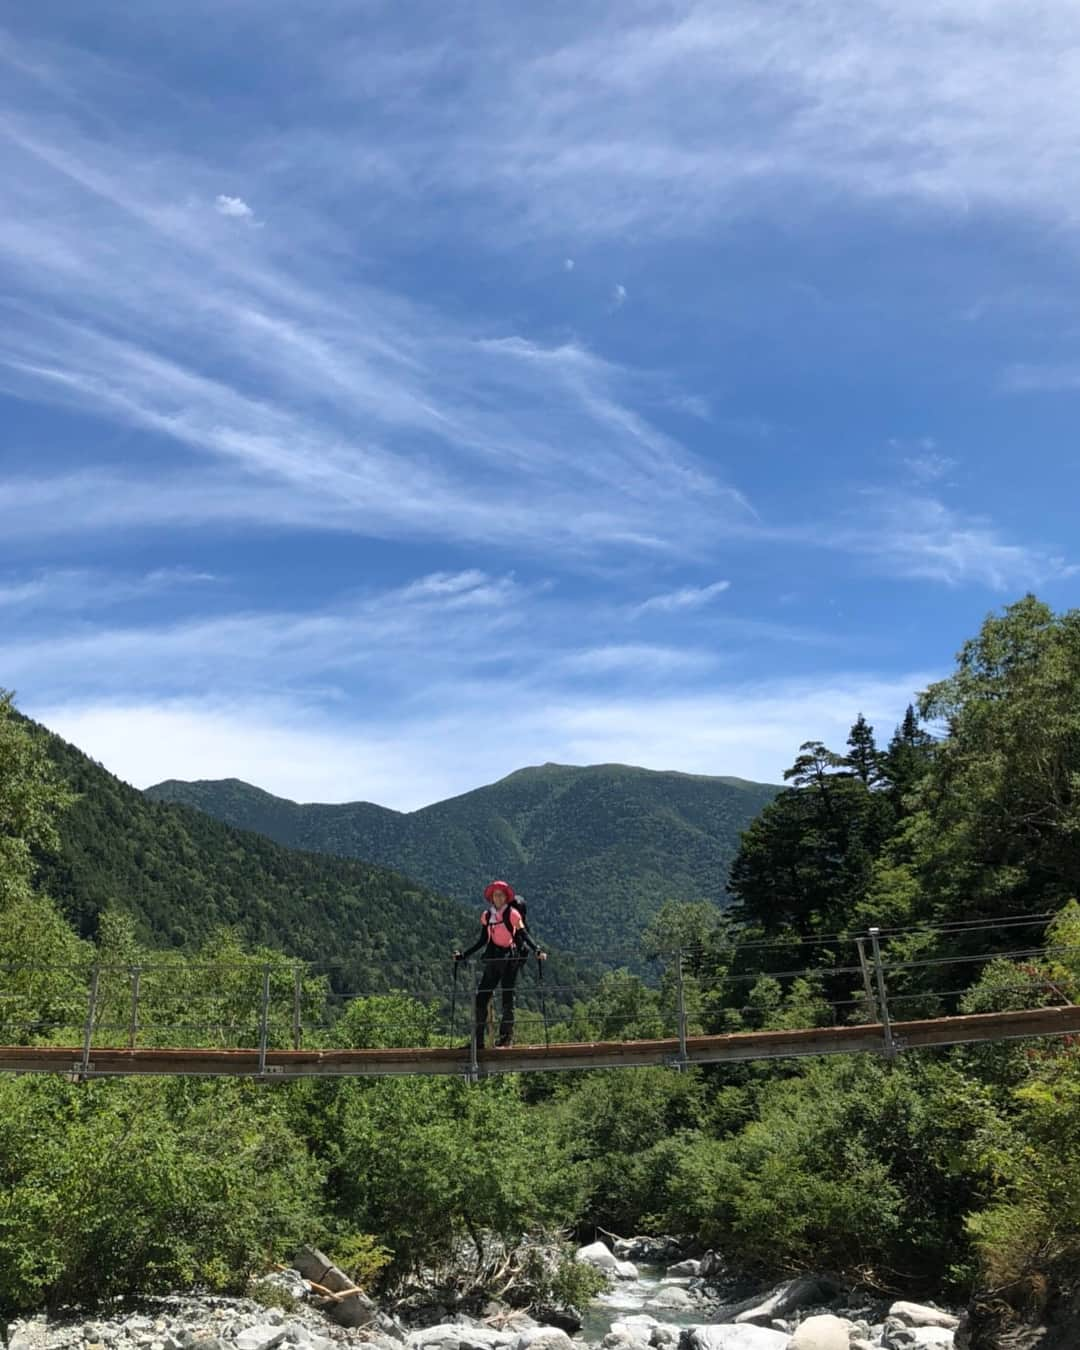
x=31, y=797
x=863, y=757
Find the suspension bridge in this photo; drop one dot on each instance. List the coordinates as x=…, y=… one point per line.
x=282, y=1021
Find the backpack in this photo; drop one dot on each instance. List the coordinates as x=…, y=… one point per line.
x=517, y=942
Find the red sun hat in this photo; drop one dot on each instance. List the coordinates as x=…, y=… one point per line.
x=490, y=890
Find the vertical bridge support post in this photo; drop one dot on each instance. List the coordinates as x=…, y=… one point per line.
x=264, y=1020
x=133, y=1023
x=82, y=1069
x=682, y=1063
x=298, y=989
x=873, y=1012
x=886, y=1024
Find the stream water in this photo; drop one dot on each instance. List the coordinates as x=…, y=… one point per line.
x=637, y=1296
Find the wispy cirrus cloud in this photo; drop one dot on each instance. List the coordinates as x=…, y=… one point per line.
x=82, y=589
x=343, y=404
x=920, y=537
x=685, y=598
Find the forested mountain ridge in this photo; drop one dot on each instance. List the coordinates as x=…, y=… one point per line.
x=182, y=875
x=623, y=839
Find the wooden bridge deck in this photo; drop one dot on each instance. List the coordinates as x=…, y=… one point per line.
x=102, y=1062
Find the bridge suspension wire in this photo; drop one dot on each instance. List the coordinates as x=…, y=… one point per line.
x=286, y=1004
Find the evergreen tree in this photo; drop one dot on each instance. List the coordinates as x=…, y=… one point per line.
x=907, y=759
x=863, y=754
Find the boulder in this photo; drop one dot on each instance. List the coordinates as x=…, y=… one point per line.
x=465, y=1336
x=638, y=1326
x=787, y=1298
x=598, y=1254
x=922, y=1315
x=664, y=1335
x=671, y=1296
x=735, y=1336
x=567, y=1319
x=543, y=1338
x=711, y=1266
x=824, y=1332
x=621, y=1340
x=692, y=1268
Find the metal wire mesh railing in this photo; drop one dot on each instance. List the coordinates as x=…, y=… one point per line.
x=265, y=1005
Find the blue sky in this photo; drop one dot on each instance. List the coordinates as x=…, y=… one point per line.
x=393, y=395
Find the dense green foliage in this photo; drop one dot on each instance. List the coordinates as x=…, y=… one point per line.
x=935, y=1173
x=183, y=876
x=596, y=850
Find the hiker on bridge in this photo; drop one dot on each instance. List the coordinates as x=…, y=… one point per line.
x=506, y=941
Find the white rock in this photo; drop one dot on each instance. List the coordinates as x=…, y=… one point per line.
x=671, y=1296
x=263, y=1336
x=919, y=1315
x=737, y=1336
x=919, y=1338
x=622, y=1340
x=825, y=1332
x=544, y=1338
x=598, y=1254
x=685, y=1268
x=638, y=1325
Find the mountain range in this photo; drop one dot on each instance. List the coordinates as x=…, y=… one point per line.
x=596, y=850
x=182, y=875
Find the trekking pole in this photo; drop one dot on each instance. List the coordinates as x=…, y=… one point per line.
x=543, y=1002
x=453, y=1002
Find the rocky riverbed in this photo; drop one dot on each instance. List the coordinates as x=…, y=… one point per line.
x=655, y=1301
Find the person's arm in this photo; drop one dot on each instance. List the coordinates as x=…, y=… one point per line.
x=527, y=938
x=480, y=942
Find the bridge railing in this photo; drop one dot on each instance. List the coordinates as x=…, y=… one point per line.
x=879, y=978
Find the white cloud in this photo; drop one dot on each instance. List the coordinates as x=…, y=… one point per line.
x=62, y=589
x=233, y=206
x=378, y=636
x=333, y=404
x=568, y=264
x=637, y=658
x=618, y=296
x=688, y=597
x=749, y=733
x=920, y=537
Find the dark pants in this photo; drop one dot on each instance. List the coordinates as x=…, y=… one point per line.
x=498, y=970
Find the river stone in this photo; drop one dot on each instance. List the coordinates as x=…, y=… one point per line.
x=623, y=1340
x=710, y=1266
x=598, y=1254
x=822, y=1333
x=692, y=1268
x=263, y=1337
x=920, y=1315
x=917, y=1338
x=638, y=1326
x=664, y=1335
x=733, y=1336
x=544, y=1338
x=672, y=1297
